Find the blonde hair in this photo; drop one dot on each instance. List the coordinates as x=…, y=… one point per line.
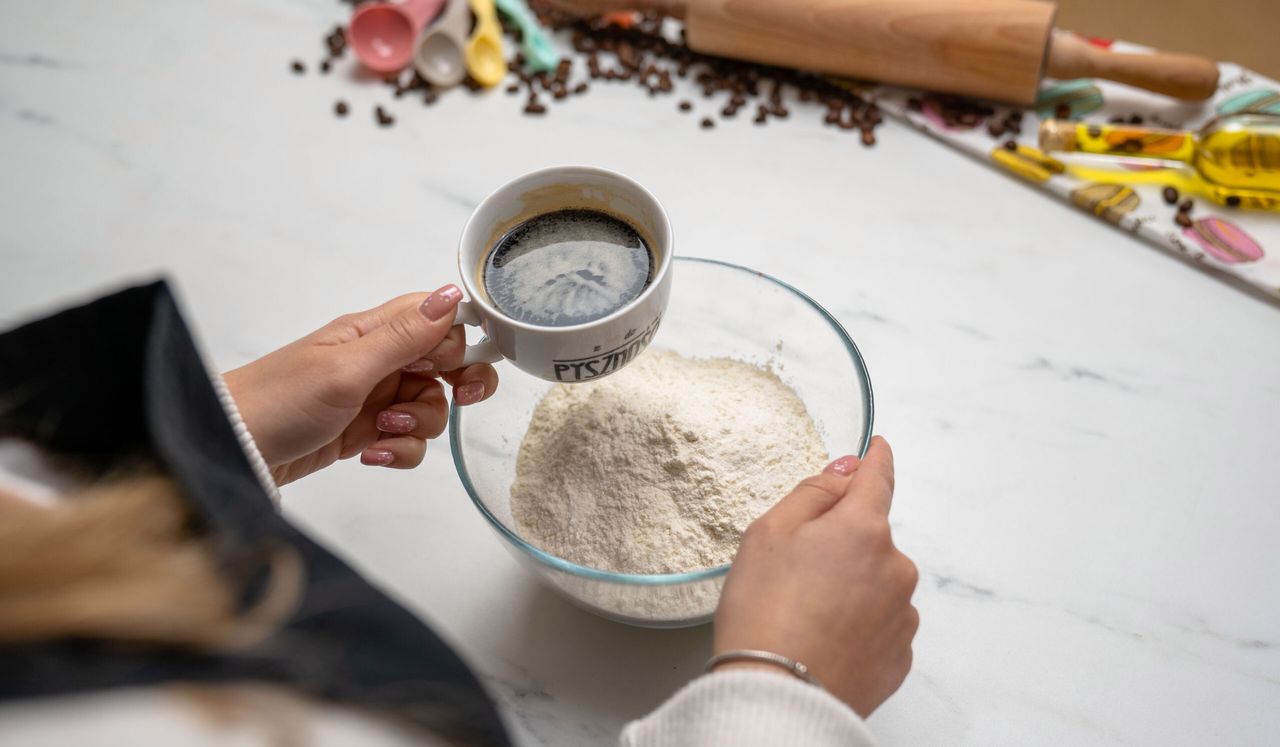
x=125, y=561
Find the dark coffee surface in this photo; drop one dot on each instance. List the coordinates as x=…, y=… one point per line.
x=567, y=267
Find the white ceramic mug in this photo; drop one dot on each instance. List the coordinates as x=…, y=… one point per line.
x=580, y=352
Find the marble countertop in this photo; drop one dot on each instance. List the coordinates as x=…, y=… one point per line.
x=1087, y=431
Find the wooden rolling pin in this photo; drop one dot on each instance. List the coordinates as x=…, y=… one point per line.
x=992, y=49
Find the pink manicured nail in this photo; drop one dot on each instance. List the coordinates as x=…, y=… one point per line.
x=441, y=302
x=843, y=466
x=377, y=457
x=422, y=365
x=469, y=394
x=395, y=421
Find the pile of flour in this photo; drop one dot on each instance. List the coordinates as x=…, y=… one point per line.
x=660, y=467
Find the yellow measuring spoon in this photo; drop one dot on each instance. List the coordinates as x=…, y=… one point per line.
x=484, y=49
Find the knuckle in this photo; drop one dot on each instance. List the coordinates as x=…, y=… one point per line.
x=756, y=529
x=913, y=622
x=875, y=532
x=345, y=320
x=889, y=480
x=762, y=531
x=910, y=572
x=821, y=483
x=402, y=332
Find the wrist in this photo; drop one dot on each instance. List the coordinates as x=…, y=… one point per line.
x=733, y=666
x=761, y=659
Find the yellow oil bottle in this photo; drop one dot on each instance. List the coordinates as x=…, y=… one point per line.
x=1237, y=157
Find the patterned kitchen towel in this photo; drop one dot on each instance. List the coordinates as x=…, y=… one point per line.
x=1241, y=244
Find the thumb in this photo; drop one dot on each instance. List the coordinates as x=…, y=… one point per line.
x=815, y=495
x=407, y=334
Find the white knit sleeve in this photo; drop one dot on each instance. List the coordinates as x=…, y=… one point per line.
x=749, y=708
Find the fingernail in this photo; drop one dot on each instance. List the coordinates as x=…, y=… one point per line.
x=843, y=466
x=469, y=394
x=377, y=457
x=439, y=303
x=395, y=421
x=422, y=365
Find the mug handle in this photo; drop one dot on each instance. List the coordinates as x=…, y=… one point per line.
x=485, y=351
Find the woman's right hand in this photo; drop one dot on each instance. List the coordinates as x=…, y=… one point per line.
x=817, y=579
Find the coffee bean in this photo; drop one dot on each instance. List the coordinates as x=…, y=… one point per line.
x=1011, y=145
x=995, y=129
x=868, y=137
x=298, y=67
x=340, y=108
x=1062, y=111
x=707, y=123
x=384, y=119
x=781, y=112
x=1170, y=196
x=1185, y=206
x=685, y=106
x=534, y=107
x=1135, y=119
x=1094, y=131
x=513, y=88
x=1116, y=120
x=560, y=94
x=760, y=119
x=325, y=66
x=915, y=104
x=430, y=97
x=1014, y=116
x=1232, y=201
x=729, y=111
x=1183, y=220
x=581, y=88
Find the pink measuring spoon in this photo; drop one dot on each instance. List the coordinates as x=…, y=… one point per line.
x=384, y=35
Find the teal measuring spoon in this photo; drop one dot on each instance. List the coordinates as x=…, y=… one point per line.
x=539, y=54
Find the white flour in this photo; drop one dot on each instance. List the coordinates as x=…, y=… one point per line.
x=660, y=467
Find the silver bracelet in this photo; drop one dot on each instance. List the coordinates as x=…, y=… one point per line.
x=797, y=669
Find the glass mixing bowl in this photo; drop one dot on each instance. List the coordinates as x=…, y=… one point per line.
x=716, y=309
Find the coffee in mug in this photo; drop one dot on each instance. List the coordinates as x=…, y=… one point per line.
x=567, y=267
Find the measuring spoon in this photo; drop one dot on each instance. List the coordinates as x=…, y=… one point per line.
x=382, y=34
x=484, y=49
x=439, y=58
x=539, y=54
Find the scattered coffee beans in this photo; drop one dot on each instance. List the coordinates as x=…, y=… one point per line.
x=645, y=55
x=298, y=67
x=1182, y=219
x=1170, y=196
x=1185, y=206
x=340, y=108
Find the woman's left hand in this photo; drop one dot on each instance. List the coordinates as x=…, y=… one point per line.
x=363, y=384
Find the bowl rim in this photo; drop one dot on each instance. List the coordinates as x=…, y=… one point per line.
x=655, y=579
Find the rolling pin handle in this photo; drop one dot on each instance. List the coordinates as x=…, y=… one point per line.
x=1181, y=76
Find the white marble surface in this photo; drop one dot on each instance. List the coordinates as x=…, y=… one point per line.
x=1087, y=431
